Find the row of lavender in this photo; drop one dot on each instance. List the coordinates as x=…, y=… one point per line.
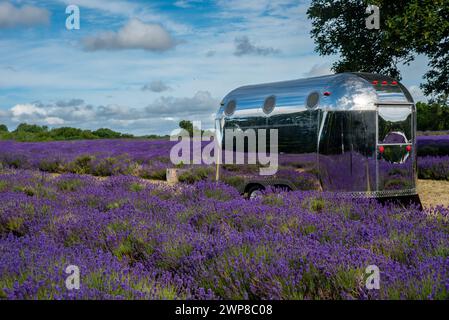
x=150, y=158
x=143, y=158
x=433, y=157
x=136, y=240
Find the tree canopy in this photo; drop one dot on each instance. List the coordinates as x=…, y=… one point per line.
x=407, y=28
x=32, y=132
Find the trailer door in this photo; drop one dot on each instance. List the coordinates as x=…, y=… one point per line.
x=395, y=148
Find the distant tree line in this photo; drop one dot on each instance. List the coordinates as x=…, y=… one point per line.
x=32, y=132
x=432, y=116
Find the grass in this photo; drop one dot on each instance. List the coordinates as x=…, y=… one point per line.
x=433, y=192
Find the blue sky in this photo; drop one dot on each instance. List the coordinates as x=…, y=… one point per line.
x=141, y=66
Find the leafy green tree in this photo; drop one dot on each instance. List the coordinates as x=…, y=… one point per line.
x=187, y=125
x=432, y=117
x=31, y=128
x=68, y=133
x=407, y=28
x=31, y=132
x=106, y=133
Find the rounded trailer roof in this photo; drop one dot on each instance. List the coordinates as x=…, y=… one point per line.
x=342, y=91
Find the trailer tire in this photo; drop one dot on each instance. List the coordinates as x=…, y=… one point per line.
x=254, y=191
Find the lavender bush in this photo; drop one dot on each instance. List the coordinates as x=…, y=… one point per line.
x=433, y=160
x=145, y=158
x=135, y=240
x=149, y=159
x=433, y=145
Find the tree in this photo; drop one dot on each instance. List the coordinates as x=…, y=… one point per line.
x=32, y=132
x=407, y=28
x=187, y=125
x=31, y=128
x=432, y=117
x=106, y=133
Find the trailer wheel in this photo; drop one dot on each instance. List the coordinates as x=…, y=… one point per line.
x=255, y=191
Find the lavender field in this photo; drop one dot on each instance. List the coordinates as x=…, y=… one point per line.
x=433, y=157
x=91, y=204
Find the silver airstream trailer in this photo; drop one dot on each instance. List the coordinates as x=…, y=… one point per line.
x=355, y=133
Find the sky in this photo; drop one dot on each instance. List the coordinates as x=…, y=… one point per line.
x=142, y=66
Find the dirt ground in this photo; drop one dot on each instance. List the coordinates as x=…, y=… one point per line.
x=433, y=192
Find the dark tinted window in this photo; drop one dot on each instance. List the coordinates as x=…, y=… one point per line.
x=312, y=100
x=230, y=108
x=269, y=104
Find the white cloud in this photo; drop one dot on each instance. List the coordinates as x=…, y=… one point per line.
x=243, y=46
x=111, y=6
x=163, y=114
x=145, y=11
x=11, y=16
x=156, y=86
x=186, y=3
x=21, y=110
x=134, y=35
x=200, y=104
x=54, y=121
x=319, y=70
x=183, y=4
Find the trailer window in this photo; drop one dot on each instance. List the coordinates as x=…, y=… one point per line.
x=269, y=104
x=395, y=124
x=312, y=100
x=230, y=108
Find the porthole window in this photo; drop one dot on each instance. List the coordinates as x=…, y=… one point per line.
x=269, y=104
x=312, y=100
x=230, y=108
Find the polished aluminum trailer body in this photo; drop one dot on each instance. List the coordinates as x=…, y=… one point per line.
x=356, y=132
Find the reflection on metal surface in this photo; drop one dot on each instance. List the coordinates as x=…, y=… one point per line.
x=358, y=140
x=394, y=153
x=395, y=119
x=395, y=137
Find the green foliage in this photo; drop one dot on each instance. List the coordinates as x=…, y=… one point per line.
x=105, y=167
x=31, y=128
x=235, y=181
x=81, y=165
x=14, y=225
x=156, y=174
x=317, y=205
x=432, y=117
x=187, y=126
x=32, y=132
x=196, y=174
x=68, y=133
x=107, y=133
x=137, y=187
x=50, y=165
x=69, y=185
x=407, y=28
